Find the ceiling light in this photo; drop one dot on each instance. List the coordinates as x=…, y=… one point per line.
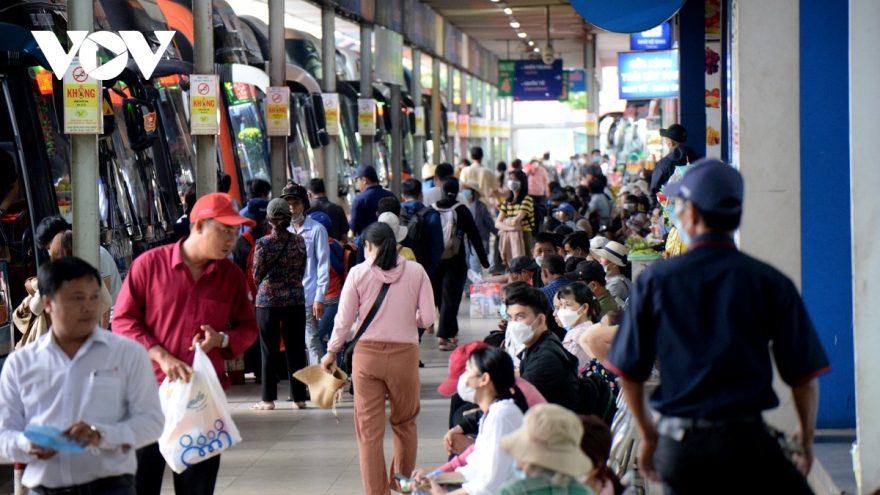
x=508, y=11
x=514, y=24
x=495, y=1
x=531, y=43
x=521, y=35
x=537, y=50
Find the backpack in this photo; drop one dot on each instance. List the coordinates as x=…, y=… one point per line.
x=595, y=394
x=417, y=233
x=249, y=266
x=349, y=257
x=449, y=220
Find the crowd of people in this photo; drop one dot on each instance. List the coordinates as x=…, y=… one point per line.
x=531, y=405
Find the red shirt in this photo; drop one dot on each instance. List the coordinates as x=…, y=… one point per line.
x=161, y=304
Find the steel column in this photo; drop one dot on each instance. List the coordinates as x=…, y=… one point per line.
x=418, y=158
x=277, y=77
x=367, y=86
x=328, y=84
x=203, y=58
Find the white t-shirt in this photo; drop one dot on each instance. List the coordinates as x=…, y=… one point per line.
x=488, y=466
x=434, y=194
x=108, y=269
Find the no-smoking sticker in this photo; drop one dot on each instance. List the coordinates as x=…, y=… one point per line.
x=204, y=88
x=276, y=98
x=278, y=111
x=79, y=74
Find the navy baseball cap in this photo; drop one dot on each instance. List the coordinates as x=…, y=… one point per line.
x=363, y=170
x=675, y=132
x=587, y=271
x=712, y=186
x=256, y=209
x=567, y=208
x=520, y=263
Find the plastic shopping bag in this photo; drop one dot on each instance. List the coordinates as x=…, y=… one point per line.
x=198, y=425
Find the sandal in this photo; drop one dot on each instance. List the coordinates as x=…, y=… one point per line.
x=447, y=344
x=261, y=406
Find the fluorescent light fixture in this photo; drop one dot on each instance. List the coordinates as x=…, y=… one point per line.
x=514, y=24
x=531, y=43
x=508, y=11
x=521, y=35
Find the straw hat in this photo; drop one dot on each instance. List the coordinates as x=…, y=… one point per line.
x=614, y=252
x=550, y=437
x=428, y=171
x=322, y=386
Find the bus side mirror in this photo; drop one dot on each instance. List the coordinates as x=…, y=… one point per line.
x=141, y=121
x=320, y=120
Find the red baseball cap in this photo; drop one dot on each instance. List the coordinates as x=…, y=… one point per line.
x=457, y=363
x=221, y=207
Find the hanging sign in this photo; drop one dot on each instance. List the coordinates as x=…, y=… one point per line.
x=331, y=112
x=658, y=38
x=420, y=121
x=204, y=111
x=646, y=75
x=536, y=81
x=82, y=101
x=277, y=111
x=451, y=123
x=366, y=116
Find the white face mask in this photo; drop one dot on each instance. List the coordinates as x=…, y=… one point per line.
x=300, y=219
x=465, y=391
x=539, y=259
x=518, y=333
x=513, y=186
x=567, y=316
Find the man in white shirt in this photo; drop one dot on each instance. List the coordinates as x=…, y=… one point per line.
x=434, y=194
x=484, y=177
x=96, y=388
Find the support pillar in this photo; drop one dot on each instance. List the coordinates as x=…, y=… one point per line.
x=436, y=113
x=418, y=156
x=331, y=151
x=450, y=102
x=864, y=71
x=396, y=139
x=366, y=86
x=463, y=109
x=203, y=58
x=592, y=85
x=84, y=164
x=277, y=77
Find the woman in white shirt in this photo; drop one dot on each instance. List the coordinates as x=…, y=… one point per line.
x=488, y=381
x=574, y=312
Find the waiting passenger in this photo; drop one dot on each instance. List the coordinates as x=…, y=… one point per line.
x=596, y=444
x=577, y=307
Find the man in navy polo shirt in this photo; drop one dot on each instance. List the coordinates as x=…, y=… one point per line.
x=366, y=203
x=709, y=317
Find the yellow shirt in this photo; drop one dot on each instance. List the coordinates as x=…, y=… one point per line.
x=406, y=252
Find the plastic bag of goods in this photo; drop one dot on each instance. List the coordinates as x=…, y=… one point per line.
x=485, y=301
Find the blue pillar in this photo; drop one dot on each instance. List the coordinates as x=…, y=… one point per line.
x=825, y=199
x=692, y=73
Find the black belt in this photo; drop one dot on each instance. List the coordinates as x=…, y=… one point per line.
x=669, y=424
x=92, y=488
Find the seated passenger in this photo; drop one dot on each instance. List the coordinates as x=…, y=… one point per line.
x=612, y=257
x=488, y=381
x=577, y=308
x=544, y=362
x=592, y=275
x=547, y=452
x=596, y=444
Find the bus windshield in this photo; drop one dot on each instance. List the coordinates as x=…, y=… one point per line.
x=173, y=107
x=246, y=121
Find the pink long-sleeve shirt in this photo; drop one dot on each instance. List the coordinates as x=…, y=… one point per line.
x=408, y=305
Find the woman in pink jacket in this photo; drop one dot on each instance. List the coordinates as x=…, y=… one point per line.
x=386, y=358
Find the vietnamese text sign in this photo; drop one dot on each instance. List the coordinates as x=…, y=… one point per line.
x=419, y=113
x=331, y=112
x=658, y=38
x=648, y=74
x=577, y=81
x=451, y=123
x=82, y=101
x=204, y=112
x=536, y=81
x=506, y=73
x=366, y=116
x=388, y=59
x=277, y=111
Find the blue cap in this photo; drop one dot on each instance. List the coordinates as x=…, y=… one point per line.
x=364, y=170
x=256, y=209
x=712, y=186
x=566, y=208
x=322, y=218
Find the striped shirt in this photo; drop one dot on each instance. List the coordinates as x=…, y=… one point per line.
x=511, y=210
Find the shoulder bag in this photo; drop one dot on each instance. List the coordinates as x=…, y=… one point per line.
x=348, y=353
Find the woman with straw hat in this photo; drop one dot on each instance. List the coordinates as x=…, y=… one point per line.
x=547, y=451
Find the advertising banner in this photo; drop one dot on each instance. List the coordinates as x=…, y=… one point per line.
x=536, y=81
x=451, y=123
x=331, y=112
x=506, y=73
x=203, y=108
x=388, y=57
x=278, y=111
x=658, y=38
x=648, y=75
x=82, y=101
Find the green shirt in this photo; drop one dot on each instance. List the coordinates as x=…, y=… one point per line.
x=540, y=485
x=607, y=303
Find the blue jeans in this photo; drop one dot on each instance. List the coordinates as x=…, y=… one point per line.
x=325, y=325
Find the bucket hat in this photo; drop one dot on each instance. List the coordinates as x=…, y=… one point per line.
x=550, y=437
x=322, y=386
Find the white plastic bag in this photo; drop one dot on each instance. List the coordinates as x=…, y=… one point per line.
x=198, y=424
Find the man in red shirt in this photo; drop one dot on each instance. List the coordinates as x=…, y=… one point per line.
x=182, y=295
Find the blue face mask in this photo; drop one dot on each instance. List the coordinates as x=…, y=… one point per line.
x=503, y=311
x=685, y=238
x=467, y=193
x=597, y=159
x=519, y=473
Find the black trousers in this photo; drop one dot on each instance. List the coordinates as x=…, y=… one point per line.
x=540, y=205
x=730, y=460
x=290, y=323
x=448, y=283
x=198, y=479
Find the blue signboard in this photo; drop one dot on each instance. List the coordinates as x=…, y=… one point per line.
x=577, y=81
x=658, y=38
x=626, y=16
x=536, y=81
x=648, y=75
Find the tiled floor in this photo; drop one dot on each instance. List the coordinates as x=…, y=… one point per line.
x=306, y=452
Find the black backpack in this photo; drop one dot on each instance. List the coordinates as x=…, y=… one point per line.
x=417, y=234
x=596, y=396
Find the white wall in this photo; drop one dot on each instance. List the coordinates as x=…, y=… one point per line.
x=864, y=72
x=766, y=71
